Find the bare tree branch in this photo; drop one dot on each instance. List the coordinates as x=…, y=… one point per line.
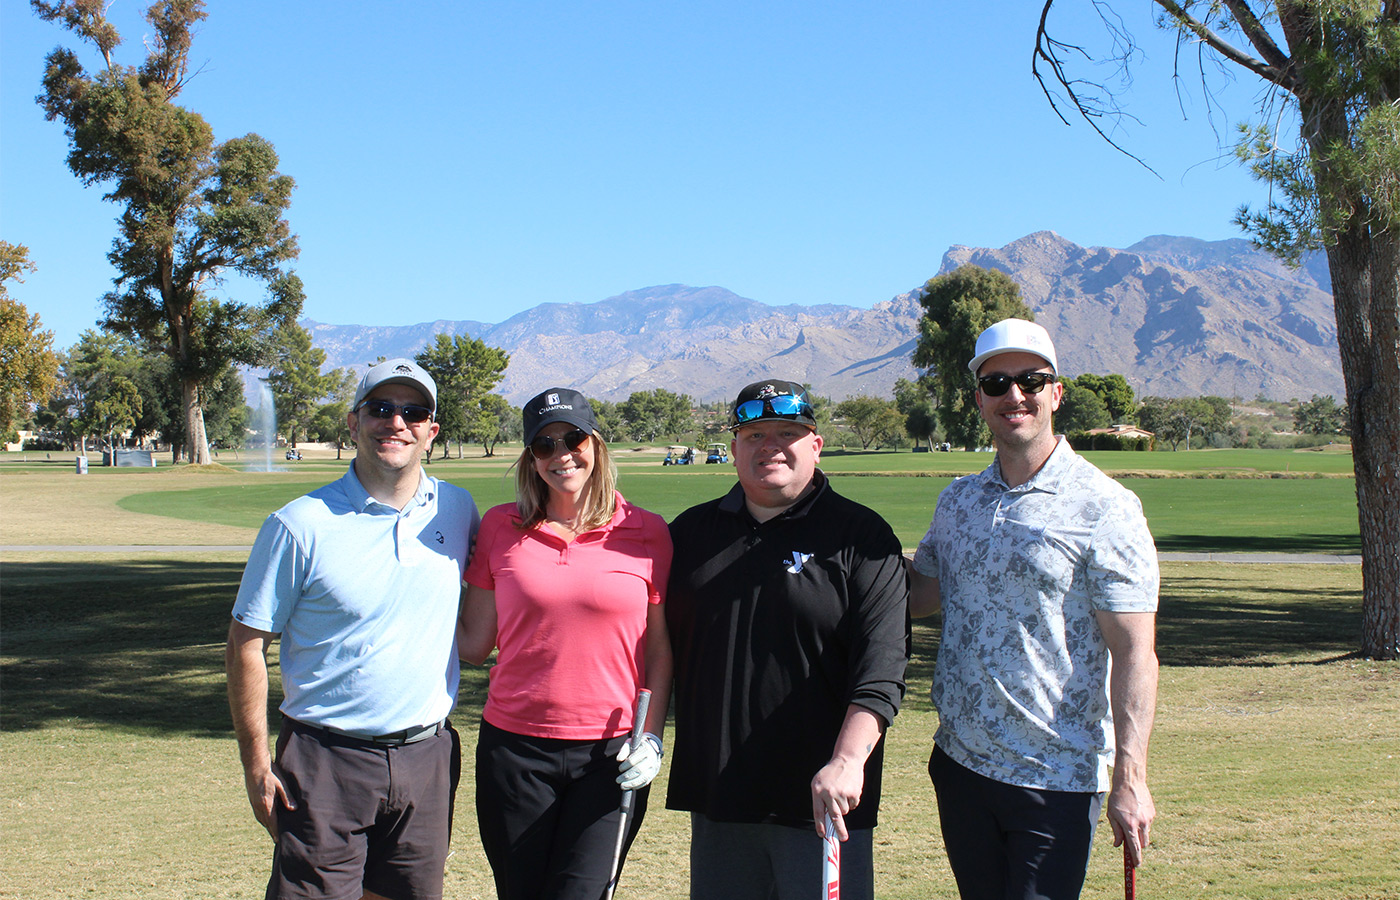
x=1051, y=51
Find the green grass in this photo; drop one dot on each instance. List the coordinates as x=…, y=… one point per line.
x=1185, y=514
x=1275, y=761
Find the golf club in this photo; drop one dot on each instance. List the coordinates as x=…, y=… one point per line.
x=1129, y=875
x=639, y=717
x=831, y=861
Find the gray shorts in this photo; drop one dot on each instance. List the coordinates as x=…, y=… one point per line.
x=741, y=861
x=367, y=817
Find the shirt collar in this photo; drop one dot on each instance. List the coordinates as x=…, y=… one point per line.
x=361, y=499
x=733, y=502
x=1049, y=476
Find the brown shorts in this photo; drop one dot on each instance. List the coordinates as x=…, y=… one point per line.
x=368, y=817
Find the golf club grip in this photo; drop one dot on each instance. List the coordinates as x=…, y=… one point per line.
x=831, y=861
x=639, y=718
x=1129, y=875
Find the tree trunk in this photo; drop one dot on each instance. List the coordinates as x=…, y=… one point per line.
x=1366, y=291
x=196, y=443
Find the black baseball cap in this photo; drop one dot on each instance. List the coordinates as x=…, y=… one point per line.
x=558, y=405
x=765, y=401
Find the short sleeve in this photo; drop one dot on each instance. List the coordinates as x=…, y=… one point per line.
x=479, y=571
x=272, y=580
x=1121, y=570
x=662, y=550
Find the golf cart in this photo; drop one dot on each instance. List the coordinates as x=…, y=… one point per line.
x=679, y=455
x=717, y=453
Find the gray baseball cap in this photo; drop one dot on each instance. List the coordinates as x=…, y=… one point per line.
x=397, y=371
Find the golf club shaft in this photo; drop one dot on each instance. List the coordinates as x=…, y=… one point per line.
x=639, y=720
x=1129, y=875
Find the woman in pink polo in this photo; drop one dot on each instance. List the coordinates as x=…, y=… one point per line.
x=567, y=585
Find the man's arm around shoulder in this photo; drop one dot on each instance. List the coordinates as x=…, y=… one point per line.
x=245, y=662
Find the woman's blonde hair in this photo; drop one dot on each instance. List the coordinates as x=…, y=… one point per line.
x=599, y=496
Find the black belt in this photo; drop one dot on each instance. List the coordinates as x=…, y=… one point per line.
x=394, y=739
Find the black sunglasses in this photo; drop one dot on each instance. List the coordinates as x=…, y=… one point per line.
x=1028, y=382
x=543, y=446
x=382, y=409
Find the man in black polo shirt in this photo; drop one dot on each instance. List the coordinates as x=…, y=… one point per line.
x=788, y=613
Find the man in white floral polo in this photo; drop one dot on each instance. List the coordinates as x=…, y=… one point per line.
x=1046, y=574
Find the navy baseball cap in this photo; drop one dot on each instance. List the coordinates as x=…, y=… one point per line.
x=558, y=405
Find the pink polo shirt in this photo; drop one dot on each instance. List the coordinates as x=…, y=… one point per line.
x=570, y=620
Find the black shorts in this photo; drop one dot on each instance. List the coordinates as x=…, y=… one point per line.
x=367, y=817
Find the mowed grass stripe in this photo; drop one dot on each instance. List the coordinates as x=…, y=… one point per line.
x=1292, y=515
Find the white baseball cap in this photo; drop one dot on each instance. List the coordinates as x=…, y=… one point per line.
x=1013, y=336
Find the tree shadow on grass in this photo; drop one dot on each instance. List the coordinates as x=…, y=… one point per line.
x=1247, y=543
x=136, y=643
x=132, y=643
x=1219, y=621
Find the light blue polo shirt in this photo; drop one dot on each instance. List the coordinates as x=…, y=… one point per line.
x=365, y=599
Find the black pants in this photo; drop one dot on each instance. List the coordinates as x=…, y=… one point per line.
x=1012, y=843
x=548, y=813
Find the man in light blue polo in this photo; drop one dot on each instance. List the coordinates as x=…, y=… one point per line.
x=361, y=579
x=1045, y=571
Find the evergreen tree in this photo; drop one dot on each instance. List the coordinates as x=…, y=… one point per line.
x=958, y=307
x=192, y=209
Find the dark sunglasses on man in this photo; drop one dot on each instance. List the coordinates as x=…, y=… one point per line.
x=543, y=447
x=382, y=409
x=1028, y=382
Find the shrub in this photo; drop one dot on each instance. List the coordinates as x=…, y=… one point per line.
x=1083, y=440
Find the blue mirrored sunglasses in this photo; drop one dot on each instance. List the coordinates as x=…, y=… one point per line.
x=786, y=406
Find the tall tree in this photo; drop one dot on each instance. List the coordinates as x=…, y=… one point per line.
x=28, y=365
x=192, y=210
x=465, y=369
x=915, y=402
x=958, y=306
x=1333, y=67
x=299, y=387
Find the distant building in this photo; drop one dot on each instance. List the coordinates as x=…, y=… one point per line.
x=1131, y=431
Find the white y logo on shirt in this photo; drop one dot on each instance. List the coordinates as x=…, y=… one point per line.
x=795, y=564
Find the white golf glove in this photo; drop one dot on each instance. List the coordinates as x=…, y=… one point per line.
x=639, y=766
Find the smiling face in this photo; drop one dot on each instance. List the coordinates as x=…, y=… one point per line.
x=565, y=471
x=387, y=449
x=1020, y=422
x=775, y=461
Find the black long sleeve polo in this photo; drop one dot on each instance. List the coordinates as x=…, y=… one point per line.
x=777, y=627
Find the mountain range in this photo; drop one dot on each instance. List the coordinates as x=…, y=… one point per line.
x=1175, y=315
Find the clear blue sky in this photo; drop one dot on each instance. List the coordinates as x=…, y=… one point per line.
x=468, y=160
